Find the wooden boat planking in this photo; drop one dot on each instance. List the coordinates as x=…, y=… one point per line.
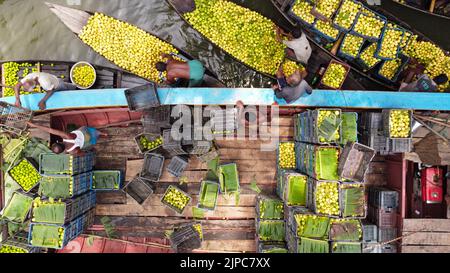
x=76, y=19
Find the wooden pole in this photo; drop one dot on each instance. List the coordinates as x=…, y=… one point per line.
x=432, y=5
x=337, y=44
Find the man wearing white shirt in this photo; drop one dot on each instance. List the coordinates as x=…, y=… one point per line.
x=48, y=82
x=297, y=42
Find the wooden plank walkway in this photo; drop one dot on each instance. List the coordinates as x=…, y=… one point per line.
x=426, y=236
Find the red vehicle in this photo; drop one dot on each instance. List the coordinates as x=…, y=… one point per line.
x=431, y=182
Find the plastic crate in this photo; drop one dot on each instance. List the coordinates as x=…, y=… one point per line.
x=357, y=246
x=73, y=208
x=374, y=14
x=371, y=122
x=384, y=198
x=383, y=217
x=387, y=122
x=389, y=248
x=259, y=222
x=14, y=119
x=152, y=168
x=377, y=142
x=338, y=3
x=177, y=166
x=286, y=188
x=150, y=137
x=349, y=128
x=14, y=242
x=197, y=147
x=326, y=37
x=345, y=55
x=404, y=61
x=79, y=183
x=223, y=180
x=354, y=161
x=12, y=201
x=345, y=227
x=372, y=247
x=174, y=147
x=312, y=202
x=139, y=189
x=294, y=242
x=142, y=97
x=64, y=164
x=177, y=210
x=269, y=247
x=186, y=237
x=262, y=201
x=212, y=154
x=308, y=129
x=377, y=52
x=292, y=223
x=344, y=29
x=157, y=116
x=342, y=200
x=347, y=68
x=400, y=145
x=370, y=232
x=386, y=234
x=34, y=165
x=308, y=159
x=205, y=185
x=299, y=19
x=115, y=175
x=224, y=121
x=360, y=62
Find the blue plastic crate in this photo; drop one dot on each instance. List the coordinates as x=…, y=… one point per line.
x=343, y=29
x=362, y=63
x=68, y=234
x=369, y=38
x=345, y=55
x=328, y=38
x=404, y=60
x=297, y=18
x=79, y=164
x=381, y=41
x=80, y=184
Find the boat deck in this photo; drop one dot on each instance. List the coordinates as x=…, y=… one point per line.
x=230, y=228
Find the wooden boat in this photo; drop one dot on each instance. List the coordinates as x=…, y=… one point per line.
x=76, y=19
x=420, y=20
x=356, y=80
x=425, y=13
x=106, y=77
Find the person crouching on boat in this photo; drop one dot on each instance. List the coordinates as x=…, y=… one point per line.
x=48, y=82
x=75, y=142
x=192, y=70
x=297, y=43
x=292, y=87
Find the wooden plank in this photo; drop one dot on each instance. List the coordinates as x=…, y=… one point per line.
x=162, y=211
x=375, y=179
x=425, y=249
x=427, y=238
x=229, y=245
x=428, y=224
x=245, y=200
x=111, y=197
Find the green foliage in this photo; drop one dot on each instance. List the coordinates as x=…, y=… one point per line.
x=109, y=227
x=271, y=230
x=308, y=245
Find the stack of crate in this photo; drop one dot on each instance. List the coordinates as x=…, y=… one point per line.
x=374, y=134
x=383, y=205
x=68, y=179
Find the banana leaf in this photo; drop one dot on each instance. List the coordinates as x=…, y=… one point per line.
x=228, y=177
x=55, y=164
x=53, y=213
x=346, y=247
x=34, y=148
x=275, y=250
x=297, y=191
x=208, y=195
x=308, y=245
x=45, y=236
x=328, y=129
x=349, y=127
x=18, y=208
x=55, y=187
x=270, y=209
x=271, y=230
x=345, y=230
x=316, y=227
x=106, y=180
x=354, y=202
x=327, y=164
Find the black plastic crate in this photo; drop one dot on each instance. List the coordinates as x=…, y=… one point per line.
x=400, y=145
x=371, y=122
x=389, y=248
x=383, y=217
x=376, y=141
x=386, y=234
x=172, y=146
x=177, y=166
x=198, y=147
x=142, y=97
x=157, y=117
x=152, y=168
x=384, y=198
x=139, y=189
x=370, y=232
x=185, y=237
x=354, y=161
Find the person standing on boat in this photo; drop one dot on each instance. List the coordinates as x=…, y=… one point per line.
x=75, y=142
x=292, y=87
x=297, y=43
x=192, y=70
x=48, y=82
